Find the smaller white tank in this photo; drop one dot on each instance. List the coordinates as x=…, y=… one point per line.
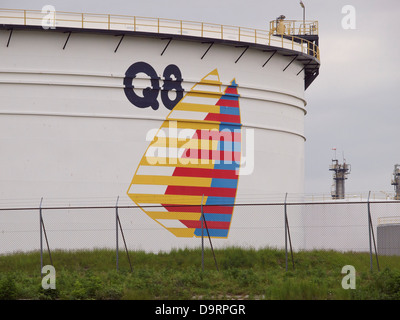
x=388, y=236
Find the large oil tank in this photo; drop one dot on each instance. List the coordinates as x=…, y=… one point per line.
x=388, y=236
x=82, y=100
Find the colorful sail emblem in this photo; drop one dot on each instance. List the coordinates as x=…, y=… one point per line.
x=192, y=163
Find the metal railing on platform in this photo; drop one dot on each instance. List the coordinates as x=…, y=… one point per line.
x=165, y=26
x=294, y=27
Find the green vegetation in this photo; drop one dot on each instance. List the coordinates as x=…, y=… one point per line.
x=243, y=274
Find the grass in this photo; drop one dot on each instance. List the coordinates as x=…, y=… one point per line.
x=243, y=274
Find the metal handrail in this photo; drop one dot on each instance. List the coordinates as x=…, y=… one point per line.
x=295, y=27
x=389, y=220
x=160, y=25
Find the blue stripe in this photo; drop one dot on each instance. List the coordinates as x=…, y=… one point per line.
x=223, y=183
x=232, y=123
x=217, y=217
x=232, y=128
x=229, y=110
x=233, y=84
x=227, y=146
x=220, y=201
x=226, y=165
x=212, y=232
x=230, y=96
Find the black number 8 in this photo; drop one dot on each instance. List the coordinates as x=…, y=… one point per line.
x=170, y=84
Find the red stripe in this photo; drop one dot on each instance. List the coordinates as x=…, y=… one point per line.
x=206, y=209
x=223, y=117
x=227, y=103
x=198, y=191
x=210, y=224
x=206, y=173
x=231, y=90
x=225, y=135
x=212, y=155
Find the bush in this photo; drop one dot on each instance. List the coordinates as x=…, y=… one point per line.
x=8, y=287
x=388, y=284
x=48, y=294
x=88, y=287
x=384, y=285
x=248, y=274
x=238, y=258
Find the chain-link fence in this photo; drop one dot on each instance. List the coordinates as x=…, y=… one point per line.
x=360, y=226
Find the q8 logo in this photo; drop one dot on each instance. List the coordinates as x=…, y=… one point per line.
x=150, y=94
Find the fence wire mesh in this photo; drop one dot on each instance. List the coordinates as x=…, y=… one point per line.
x=359, y=226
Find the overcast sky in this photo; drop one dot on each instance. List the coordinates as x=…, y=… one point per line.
x=352, y=105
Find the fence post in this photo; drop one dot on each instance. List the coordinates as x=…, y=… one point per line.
x=204, y=224
x=43, y=230
x=116, y=233
x=287, y=235
x=41, y=236
x=371, y=234
x=118, y=223
x=286, y=253
x=202, y=234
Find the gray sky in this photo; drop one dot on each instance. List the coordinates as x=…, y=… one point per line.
x=352, y=105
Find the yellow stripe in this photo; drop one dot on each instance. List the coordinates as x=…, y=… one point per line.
x=195, y=125
x=187, y=143
x=173, y=215
x=182, y=232
x=204, y=94
x=210, y=82
x=197, y=107
x=175, y=162
x=214, y=73
x=195, y=121
x=172, y=181
x=166, y=199
x=180, y=162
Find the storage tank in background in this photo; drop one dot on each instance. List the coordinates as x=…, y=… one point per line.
x=388, y=236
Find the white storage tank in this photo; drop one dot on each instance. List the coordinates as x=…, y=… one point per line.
x=82, y=105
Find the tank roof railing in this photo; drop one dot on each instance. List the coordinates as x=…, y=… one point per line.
x=294, y=27
x=159, y=25
x=389, y=220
